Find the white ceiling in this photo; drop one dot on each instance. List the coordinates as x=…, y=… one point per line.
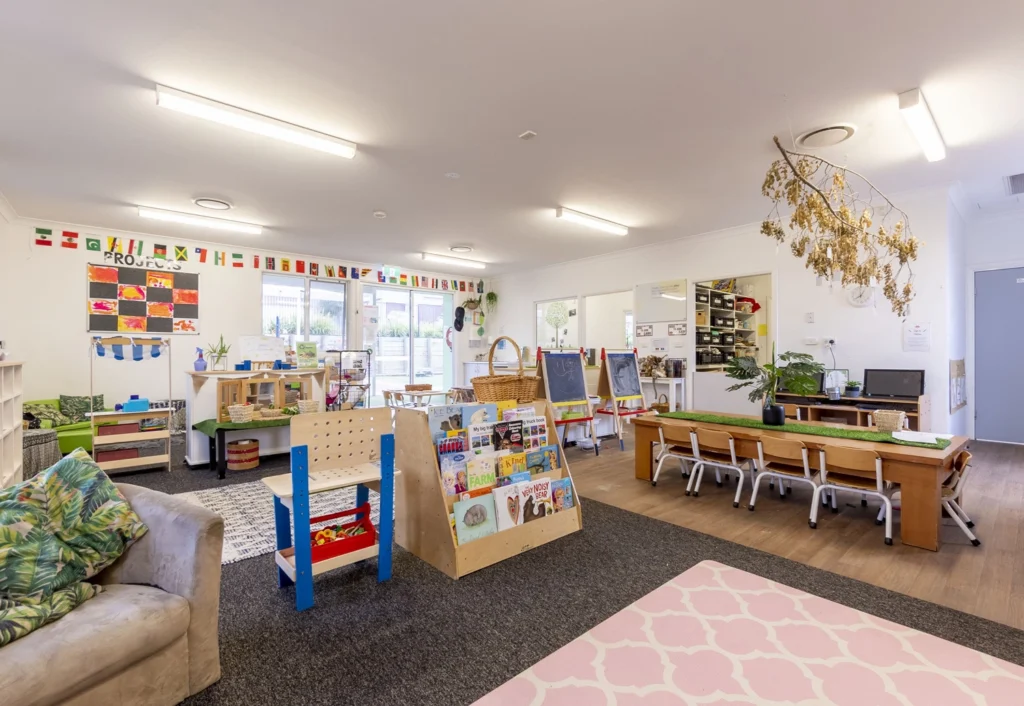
x=653, y=113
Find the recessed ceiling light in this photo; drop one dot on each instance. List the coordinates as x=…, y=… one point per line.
x=461, y=249
x=591, y=221
x=452, y=175
x=190, y=219
x=380, y=214
x=454, y=261
x=252, y=122
x=528, y=135
x=826, y=136
x=914, y=110
x=215, y=204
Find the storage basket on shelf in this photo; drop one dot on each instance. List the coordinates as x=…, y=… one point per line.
x=889, y=420
x=241, y=413
x=661, y=406
x=498, y=388
x=308, y=406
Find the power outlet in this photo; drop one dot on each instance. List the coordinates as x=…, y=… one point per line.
x=828, y=342
x=809, y=317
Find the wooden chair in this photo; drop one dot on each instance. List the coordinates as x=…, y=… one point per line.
x=388, y=398
x=676, y=443
x=792, y=411
x=718, y=450
x=952, y=492
x=419, y=387
x=856, y=470
x=784, y=460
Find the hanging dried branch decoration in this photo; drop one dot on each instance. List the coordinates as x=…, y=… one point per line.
x=834, y=226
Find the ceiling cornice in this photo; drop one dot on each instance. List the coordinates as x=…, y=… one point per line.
x=7, y=212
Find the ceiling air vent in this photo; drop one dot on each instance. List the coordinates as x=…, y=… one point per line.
x=1015, y=184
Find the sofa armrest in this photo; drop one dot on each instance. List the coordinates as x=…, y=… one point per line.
x=180, y=554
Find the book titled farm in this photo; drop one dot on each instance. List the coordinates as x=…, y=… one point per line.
x=508, y=506
x=474, y=518
x=480, y=471
x=561, y=494
x=536, y=499
x=508, y=436
x=511, y=464
x=442, y=419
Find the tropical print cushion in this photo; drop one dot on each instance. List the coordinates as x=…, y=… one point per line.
x=77, y=407
x=46, y=413
x=58, y=529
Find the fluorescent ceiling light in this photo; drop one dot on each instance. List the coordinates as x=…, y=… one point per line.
x=189, y=219
x=914, y=110
x=591, y=221
x=673, y=296
x=252, y=122
x=454, y=261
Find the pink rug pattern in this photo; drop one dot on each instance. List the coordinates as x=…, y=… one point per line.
x=718, y=635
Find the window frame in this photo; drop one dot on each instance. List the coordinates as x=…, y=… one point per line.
x=305, y=334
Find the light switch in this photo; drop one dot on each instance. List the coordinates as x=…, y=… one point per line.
x=809, y=317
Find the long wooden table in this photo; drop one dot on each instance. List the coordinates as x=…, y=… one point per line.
x=919, y=471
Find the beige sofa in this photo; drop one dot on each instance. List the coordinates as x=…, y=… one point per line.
x=149, y=638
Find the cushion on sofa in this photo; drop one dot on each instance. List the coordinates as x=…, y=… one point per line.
x=75, y=408
x=50, y=416
x=56, y=530
x=119, y=627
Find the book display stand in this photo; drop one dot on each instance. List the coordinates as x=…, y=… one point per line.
x=423, y=507
x=618, y=386
x=333, y=450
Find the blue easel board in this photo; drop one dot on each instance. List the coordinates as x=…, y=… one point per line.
x=563, y=377
x=625, y=377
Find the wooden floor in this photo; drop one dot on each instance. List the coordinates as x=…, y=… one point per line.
x=986, y=581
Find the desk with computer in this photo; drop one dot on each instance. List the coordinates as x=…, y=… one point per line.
x=883, y=389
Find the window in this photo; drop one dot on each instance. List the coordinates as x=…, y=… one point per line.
x=557, y=324
x=302, y=309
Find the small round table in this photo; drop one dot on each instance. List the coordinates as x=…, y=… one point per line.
x=40, y=450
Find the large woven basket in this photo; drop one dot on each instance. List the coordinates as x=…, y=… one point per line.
x=889, y=420
x=308, y=406
x=241, y=413
x=498, y=388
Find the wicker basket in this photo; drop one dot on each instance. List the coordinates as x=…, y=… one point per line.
x=889, y=420
x=498, y=388
x=308, y=406
x=661, y=406
x=271, y=413
x=241, y=413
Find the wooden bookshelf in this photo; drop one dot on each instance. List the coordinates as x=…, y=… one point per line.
x=846, y=411
x=422, y=526
x=11, y=407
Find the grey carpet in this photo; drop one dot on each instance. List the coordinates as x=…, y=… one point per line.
x=425, y=639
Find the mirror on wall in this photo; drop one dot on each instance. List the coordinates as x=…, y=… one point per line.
x=608, y=321
x=558, y=324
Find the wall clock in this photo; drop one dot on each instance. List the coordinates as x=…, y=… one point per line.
x=861, y=296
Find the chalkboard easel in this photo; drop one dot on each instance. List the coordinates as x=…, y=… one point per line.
x=563, y=384
x=619, y=385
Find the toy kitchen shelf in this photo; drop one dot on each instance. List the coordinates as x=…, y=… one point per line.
x=123, y=349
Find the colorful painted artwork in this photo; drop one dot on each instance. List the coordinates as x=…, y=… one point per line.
x=138, y=300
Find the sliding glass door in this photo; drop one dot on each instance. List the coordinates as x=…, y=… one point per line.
x=406, y=330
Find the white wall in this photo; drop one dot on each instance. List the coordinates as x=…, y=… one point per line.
x=604, y=317
x=870, y=337
x=43, y=318
x=956, y=301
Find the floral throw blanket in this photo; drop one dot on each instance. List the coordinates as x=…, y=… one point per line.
x=57, y=530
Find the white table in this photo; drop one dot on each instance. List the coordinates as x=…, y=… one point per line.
x=420, y=398
x=675, y=388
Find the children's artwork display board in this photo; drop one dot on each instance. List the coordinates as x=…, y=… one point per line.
x=472, y=497
x=619, y=388
x=137, y=300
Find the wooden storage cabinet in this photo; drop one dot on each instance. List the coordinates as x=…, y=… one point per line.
x=845, y=410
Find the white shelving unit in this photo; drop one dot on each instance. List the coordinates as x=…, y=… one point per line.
x=733, y=331
x=11, y=402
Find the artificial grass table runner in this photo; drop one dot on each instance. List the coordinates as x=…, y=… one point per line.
x=209, y=427
x=798, y=428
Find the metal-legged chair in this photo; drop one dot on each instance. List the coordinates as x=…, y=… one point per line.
x=855, y=470
x=718, y=450
x=676, y=443
x=785, y=461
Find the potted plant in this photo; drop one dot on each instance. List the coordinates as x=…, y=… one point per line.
x=853, y=388
x=492, y=302
x=471, y=304
x=797, y=375
x=217, y=353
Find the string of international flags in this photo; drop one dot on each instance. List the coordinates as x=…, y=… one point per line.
x=271, y=263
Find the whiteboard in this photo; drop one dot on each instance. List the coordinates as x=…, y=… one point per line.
x=260, y=348
x=660, y=301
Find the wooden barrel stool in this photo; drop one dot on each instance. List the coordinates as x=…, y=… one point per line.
x=243, y=455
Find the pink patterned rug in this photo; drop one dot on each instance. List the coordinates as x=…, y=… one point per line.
x=718, y=635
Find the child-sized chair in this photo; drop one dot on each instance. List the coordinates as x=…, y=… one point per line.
x=718, y=450
x=856, y=470
x=784, y=460
x=675, y=443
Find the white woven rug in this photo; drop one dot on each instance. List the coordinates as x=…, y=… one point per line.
x=248, y=512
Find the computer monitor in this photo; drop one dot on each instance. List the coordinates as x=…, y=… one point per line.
x=893, y=383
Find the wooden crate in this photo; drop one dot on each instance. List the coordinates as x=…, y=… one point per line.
x=229, y=392
x=422, y=526
x=267, y=390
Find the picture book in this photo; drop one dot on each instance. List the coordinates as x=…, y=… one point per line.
x=474, y=518
x=481, y=438
x=508, y=436
x=508, y=506
x=479, y=413
x=510, y=415
x=456, y=464
x=537, y=461
x=474, y=493
x=535, y=497
x=503, y=407
x=535, y=432
x=444, y=418
x=451, y=444
x=480, y=471
x=514, y=478
x=561, y=494
x=512, y=463
x=305, y=354
x=551, y=451
x=448, y=480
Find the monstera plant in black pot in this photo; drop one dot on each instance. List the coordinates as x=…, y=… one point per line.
x=793, y=371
